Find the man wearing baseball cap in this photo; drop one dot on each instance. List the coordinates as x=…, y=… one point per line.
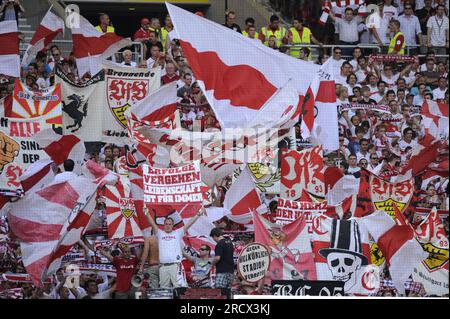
x=143, y=34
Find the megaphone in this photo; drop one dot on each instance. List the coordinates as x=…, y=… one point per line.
x=137, y=280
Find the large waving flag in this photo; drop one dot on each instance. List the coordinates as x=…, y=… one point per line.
x=49, y=28
x=157, y=107
x=397, y=243
x=326, y=130
x=290, y=248
x=342, y=252
x=38, y=220
x=239, y=75
x=435, y=120
x=242, y=199
x=49, y=221
x=62, y=147
x=91, y=46
x=9, y=49
x=37, y=175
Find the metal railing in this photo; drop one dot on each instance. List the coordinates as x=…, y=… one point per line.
x=315, y=49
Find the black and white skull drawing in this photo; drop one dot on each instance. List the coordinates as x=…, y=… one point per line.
x=345, y=257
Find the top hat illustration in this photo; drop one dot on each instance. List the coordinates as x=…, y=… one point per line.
x=345, y=238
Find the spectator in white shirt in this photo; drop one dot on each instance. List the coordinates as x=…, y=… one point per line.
x=127, y=56
x=439, y=92
x=418, y=99
x=381, y=92
x=373, y=83
x=351, y=82
x=363, y=69
x=170, y=243
x=346, y=70
x=410, y=27
x=68, y=173
x=337, y=61
x=363, y=150
x=352, y=165
x=379, y=28
x=348, y=30
x=408, y=139
x=437, y=30
x=389, y=10
x=356, y=54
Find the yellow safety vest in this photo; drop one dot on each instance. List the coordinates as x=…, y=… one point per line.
x=164, y=34
x=296, y=39
x=109, y=29
x=279, y=35
x=393, y=44
x=245, y=34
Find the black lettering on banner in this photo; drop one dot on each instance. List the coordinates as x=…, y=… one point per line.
x=3, y=122
x=307, y=288
x=30, y=158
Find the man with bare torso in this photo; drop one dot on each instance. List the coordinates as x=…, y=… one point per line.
x=150, y=254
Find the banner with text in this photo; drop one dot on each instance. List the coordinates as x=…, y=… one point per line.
x=18, y=150
x=124, y=87
x=166, y=186
x=45, y=103
x=288, y=211
x=307, y=288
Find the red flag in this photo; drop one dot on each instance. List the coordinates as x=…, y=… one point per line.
x=238, y=86
x=62, y=147
x=242, y=198
x=9, y=49
x=91, y=46
x=290, y=248
x=397, y=243
x=51, y=25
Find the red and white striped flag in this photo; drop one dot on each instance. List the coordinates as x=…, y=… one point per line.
x=49, y=221
x=326, y=129
x=37, y=175
x=9, y=49
x=49, y=28
x=91, y=46
x=238, y=75
x=435, y=118
x=397, y=243
x=157, y=107
x=38, y=220
x=121, y=212
x=419, y=162
x=242, y=198
x=62, y=147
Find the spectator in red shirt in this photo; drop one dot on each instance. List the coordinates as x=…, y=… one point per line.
x=171, y=74
x=126, y=265
x=144, y=34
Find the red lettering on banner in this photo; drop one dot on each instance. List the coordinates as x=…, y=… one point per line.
x=23, y=129
x=134, y=91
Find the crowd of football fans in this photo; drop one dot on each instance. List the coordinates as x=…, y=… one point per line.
x=367, y=137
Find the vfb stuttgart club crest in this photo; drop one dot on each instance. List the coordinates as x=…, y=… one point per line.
x=127, y=207
x=123, y=93
x=385, y=195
